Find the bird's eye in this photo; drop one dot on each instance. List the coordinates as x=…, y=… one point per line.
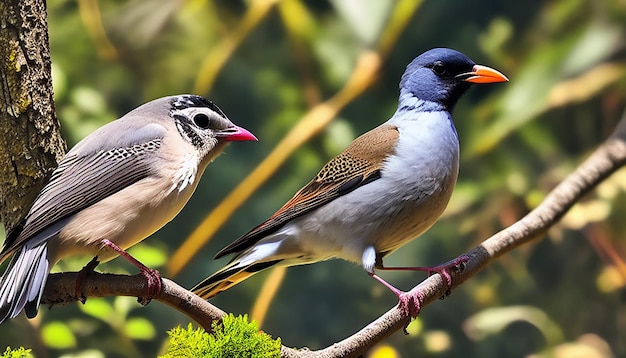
x=439, y=68
x=201, y=120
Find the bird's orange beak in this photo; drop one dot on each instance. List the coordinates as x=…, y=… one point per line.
x=235, y=134
x=484, y=74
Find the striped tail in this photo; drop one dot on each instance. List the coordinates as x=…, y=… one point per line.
x=22, y=284
x=229, y=276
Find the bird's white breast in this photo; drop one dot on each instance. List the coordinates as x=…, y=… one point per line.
x=415, y=186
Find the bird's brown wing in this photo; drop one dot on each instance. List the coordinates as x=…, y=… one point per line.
x=360, y=163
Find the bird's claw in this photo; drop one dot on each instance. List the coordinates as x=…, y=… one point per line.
x=411, y=304
x=154, y=285
x=458, y=264
x=82, y=276
x=446, y=294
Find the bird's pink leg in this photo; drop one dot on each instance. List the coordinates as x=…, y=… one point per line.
x=410, y=304
x=443, y=269
x=152, y=276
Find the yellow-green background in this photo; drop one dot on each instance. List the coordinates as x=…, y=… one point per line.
x=273, y=66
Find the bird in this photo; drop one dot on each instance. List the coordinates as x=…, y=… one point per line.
x=114, y=188
x=386, y=188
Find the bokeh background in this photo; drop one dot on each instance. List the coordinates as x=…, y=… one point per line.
x=307, y=77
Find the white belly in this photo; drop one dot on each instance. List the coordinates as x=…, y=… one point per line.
x=413, y=191
x=123, y=218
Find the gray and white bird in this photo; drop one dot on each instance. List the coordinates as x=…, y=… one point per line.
x=114, y=188
x=388, y=187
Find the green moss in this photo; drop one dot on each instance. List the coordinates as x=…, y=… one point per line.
x=25, y=102
x=232, y=337
x=17, y=353
x=12, y=62
x=12, y=58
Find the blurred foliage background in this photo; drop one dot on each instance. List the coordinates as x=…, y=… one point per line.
x=310, y=76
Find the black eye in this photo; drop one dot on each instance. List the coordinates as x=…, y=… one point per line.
x=201, y=120
x=439, y=68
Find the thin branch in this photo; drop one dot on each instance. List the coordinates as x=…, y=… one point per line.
x=606, y=159
x=61, y=287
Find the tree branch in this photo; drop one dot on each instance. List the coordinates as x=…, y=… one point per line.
x=60, y=289
x=606, y=159
x=30, y=146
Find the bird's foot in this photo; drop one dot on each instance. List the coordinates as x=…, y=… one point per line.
x=458, y=264
x=153, y=277
x=82, y=276
x=154, y=285
x=411, y=303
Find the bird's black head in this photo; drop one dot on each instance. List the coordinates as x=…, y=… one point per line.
x=443, y=75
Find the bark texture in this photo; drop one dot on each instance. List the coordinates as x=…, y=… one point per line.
x=30, y=140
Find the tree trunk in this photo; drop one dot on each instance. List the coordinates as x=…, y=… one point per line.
x=30, y=141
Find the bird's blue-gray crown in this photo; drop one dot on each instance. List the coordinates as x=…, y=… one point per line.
x=437, y=76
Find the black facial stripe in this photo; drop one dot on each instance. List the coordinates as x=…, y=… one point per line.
x=188, y=101
x=185, y=130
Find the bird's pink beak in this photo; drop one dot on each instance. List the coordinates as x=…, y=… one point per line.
x=235, y=133
x=484, y=74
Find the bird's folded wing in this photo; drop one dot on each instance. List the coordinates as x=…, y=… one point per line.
x=357, y=165
x=84, y=177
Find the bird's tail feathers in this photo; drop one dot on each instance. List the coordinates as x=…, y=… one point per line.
x=229, y=276
x=22, y=284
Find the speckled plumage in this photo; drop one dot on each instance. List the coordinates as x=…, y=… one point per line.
x=388, y=187
x=121, y=183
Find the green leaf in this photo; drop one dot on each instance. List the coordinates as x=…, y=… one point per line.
x=149, y=255
x=494, y=320
x=58, y=335
x=98, y=308
x=366, y=17
x=139, y=328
